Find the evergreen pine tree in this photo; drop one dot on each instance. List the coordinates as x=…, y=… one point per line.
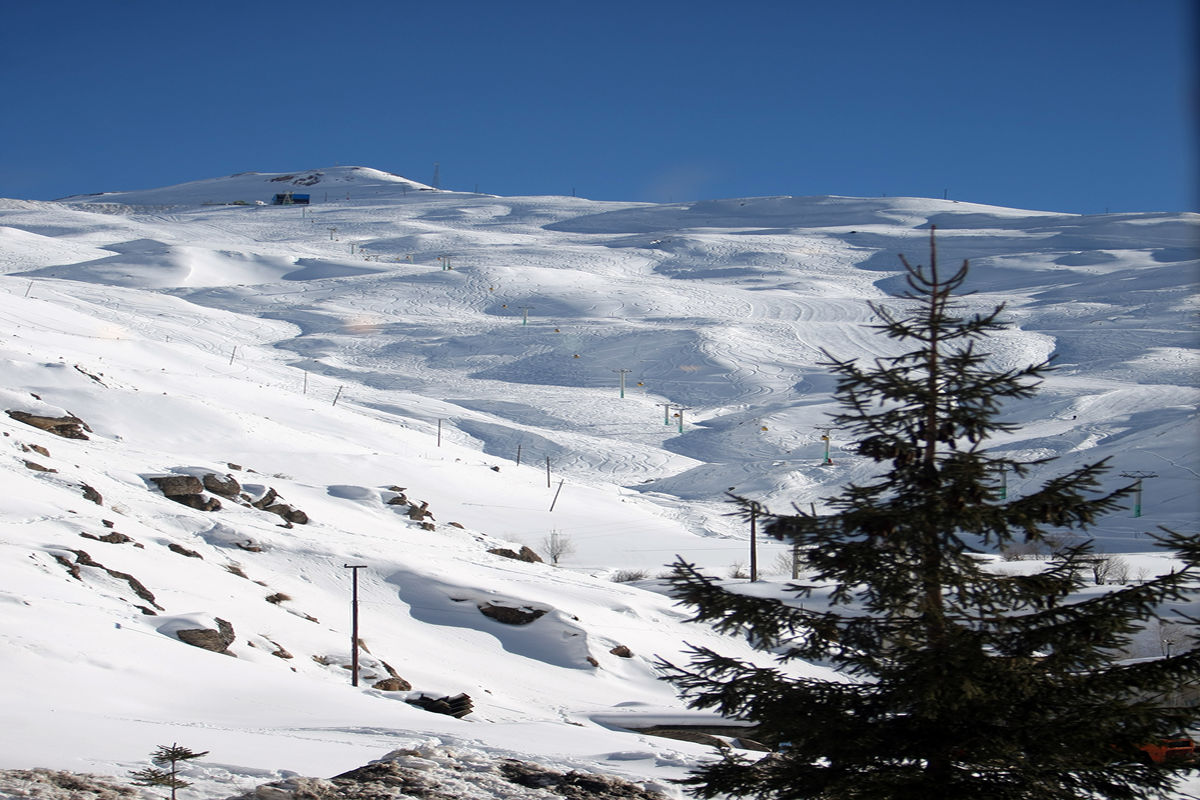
x=959, y=682
x=166, y=769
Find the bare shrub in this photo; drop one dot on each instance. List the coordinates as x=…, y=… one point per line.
x=556, y=546
x=629, y=575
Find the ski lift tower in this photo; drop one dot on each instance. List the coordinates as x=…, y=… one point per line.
x=825, y=438
x=1137, y=488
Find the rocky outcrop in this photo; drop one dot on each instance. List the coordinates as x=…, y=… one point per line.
x=525, y=554
x=186, y=490
x=511, y=615
x=183, y=551
x=83, y=559
x=392, y=685
x=457, y=706
x=217, y=641
x=445, y=773
x=52, y=784
x=68, y=426
x=223, y=485
x=270, y=502
x=109, y=538
x=176, y=485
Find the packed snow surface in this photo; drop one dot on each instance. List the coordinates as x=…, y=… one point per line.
x=391, y=347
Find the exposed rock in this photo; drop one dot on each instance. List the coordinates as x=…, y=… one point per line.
x=573, y=785
x=457, y=706
x=217, y=641
x=526, y=554
x=36, y=467
x=82, y=558
x=109, y=538
x=68, y=427
x=90, y=493
x=289, y=513
x=37, y=448
x=186, y=490
x=183, y=551
x=200, y=502
x=83, y=371
x=392, y=685
x=173, y=485
x=71, y=567
x=510, y=615
x=444, y=773
x=622, y=651
x=57, y=785
x=266, y=500
x=456, y=525
x=270, y=502
x=419, y=512
x=224, y=485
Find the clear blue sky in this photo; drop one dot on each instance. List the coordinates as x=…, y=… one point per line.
x=1061, y=105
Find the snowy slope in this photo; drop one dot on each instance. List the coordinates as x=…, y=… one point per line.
x=392, y=338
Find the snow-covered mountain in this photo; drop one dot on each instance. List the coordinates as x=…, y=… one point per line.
x=374, y=365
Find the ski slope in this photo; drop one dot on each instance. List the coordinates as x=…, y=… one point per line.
x=393, y=337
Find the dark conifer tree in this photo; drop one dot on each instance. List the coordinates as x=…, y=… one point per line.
x=958, y=682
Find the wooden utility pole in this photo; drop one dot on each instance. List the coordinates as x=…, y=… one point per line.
x=354, y=568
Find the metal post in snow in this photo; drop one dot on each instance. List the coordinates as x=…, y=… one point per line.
x=556, y=491
x=439, y=433
x=1003, y=481
x=336, y=396
x=518, y=455
x=547, y=472
x=753, y=542
x=354, y=568
x=666, y=407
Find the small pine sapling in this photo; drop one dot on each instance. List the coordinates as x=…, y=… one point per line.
x=165, y=771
